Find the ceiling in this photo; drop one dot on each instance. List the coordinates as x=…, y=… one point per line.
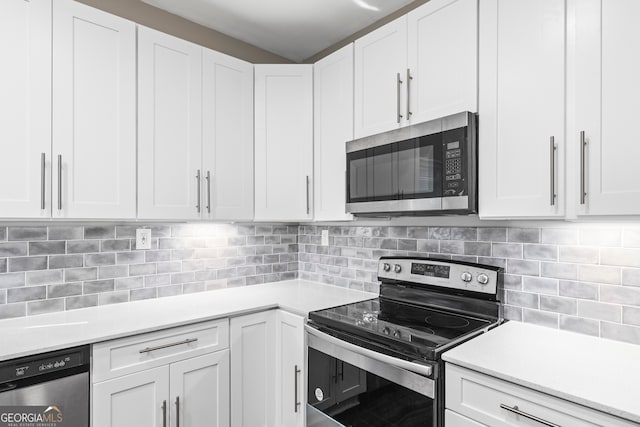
x=293, y=29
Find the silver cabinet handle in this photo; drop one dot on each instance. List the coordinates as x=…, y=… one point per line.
x=177, y=411
x=208, y=178
x=198, y=191
x=409, y=78
x=164, y=413
x=517, y=411
x=160, y=347
x=308, y=201
x=59, y=182
x=296, y=404
x=583, y=147
x=43, y=160
x=552, y=178
x=398, y=83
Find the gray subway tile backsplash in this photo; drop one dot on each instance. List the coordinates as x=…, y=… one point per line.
x=581, y=279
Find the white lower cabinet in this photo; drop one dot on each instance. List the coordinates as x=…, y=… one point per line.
x=476, y=399
x=290, y=372
x=169, y=382
x=267, y=370
x=252, y=340
x=133, y=400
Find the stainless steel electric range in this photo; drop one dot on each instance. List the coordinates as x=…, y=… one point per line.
x=378, y=362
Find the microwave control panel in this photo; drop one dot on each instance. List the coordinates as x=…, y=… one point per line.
x=454, y=163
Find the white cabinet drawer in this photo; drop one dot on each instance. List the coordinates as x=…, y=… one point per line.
x=132, y=354
x=480, y=397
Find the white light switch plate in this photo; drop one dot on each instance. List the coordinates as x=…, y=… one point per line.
x=325, y=238
x=143, y=238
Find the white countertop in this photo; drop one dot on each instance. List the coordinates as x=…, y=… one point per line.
x=36, y=334
x=595, y=372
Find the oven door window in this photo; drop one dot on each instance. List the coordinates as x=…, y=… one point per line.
x=410, y=169
x=354, y=397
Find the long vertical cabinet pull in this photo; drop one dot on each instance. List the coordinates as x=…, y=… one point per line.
x=398, y=84
x=198, y=190
x=164, y=413
x=177, y=411
x=552, y=177
x=43, y=165
x=59, y=182
x=409, y=78
x=308, y=202
x=208, y=178
x=296, y=403
x=583, y=147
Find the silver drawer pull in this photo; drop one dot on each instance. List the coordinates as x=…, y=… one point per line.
x=160, y=347
x=517, y=411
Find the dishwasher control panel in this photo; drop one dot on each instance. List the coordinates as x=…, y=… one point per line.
x=27, y=367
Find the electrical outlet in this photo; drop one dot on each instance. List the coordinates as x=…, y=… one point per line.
x=143, y=238
x=325, y=238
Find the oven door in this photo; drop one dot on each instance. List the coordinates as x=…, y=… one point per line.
x=355, y=387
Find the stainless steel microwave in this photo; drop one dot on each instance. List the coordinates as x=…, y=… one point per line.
x=425, y=169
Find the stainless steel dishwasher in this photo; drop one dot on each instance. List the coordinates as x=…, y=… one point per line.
x=49, y=389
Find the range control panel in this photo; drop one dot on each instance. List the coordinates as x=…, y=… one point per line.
x=43, y=364
x=442, y=273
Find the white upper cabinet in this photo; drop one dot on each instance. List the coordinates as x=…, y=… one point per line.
x=521, y=108
x=94, y=113
x=227, y=137
x=380, y=67
x=420, y=67
x=25, y=108
x=170, y=177
x=333, y=127
x=443, y=59
x=604, y=100
x=283, y=142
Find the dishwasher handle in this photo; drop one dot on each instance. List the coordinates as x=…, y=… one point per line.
x=7, y=387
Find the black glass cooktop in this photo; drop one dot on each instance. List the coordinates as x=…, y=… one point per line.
x=408, y=328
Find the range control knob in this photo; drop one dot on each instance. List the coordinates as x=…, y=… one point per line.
x=386, y=266
x=386, y=330
x=466, y=277
x=397, y=268
x=397, y=334
x=483, y=279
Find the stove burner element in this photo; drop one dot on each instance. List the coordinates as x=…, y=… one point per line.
x=446, y=321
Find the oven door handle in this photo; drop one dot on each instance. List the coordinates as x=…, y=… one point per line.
x=383, y=358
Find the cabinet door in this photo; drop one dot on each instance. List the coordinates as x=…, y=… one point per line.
x=333, y=127
x=227, y=137
x=169, y=126
x=25, y=108
x=94, y=113
x=135, y=400
x=442, y=59
x=283, y=142
x=290, y=372
x=252, y=370
x=379, y=85
x=607, y=101
x=521, y=108
x=200, y=391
